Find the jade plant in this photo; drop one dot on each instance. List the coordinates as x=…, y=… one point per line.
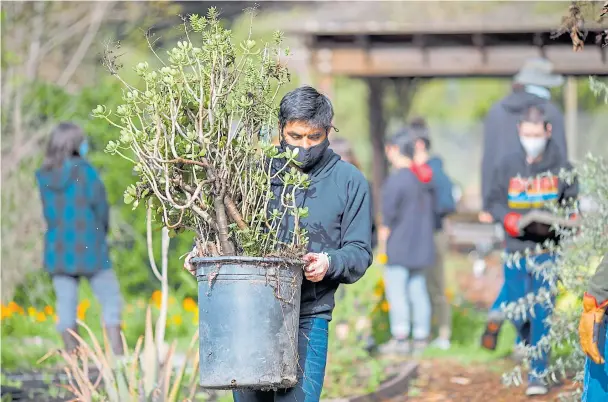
x=197, y=130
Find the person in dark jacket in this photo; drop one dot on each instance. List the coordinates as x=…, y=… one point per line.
x=593, y=335
x=344, y=149
x=406, y=246
x=339, y=225
x=77, y=217
x=444, y=205
x=530, y=88
x=523, y=182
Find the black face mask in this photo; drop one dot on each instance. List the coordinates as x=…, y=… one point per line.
x=308, y=157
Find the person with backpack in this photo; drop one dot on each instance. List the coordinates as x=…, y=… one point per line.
x=444, y=206
x=406, y=247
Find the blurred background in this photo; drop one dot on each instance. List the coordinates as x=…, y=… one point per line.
x=381, y=63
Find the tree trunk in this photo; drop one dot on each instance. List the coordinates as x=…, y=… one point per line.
x=377, y=126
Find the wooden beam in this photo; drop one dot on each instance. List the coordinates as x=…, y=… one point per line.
x=403, y=61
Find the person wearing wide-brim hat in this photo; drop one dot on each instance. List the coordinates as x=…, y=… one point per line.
x=531, y=87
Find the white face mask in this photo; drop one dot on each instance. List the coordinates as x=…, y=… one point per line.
x=534, y=146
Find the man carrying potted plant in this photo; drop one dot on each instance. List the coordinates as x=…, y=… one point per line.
x=338, y=225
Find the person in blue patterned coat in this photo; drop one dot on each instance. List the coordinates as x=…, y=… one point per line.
x=76, y=211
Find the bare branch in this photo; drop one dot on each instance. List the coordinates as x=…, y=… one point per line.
x=150, y=244
x=96, y=18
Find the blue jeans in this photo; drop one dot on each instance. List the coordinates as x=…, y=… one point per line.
x=405, y=287
x=521, y=280
x=106, y=289
x=503, y=298
x=312, y=352
x=596, y=375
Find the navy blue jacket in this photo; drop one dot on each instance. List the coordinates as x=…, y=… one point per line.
x=77, y=216
x=339, y=223
x=408, y=210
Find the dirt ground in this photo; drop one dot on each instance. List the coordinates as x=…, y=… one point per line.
x=482, y=290
x=448, y=381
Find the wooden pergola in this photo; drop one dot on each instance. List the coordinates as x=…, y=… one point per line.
x=380, y=40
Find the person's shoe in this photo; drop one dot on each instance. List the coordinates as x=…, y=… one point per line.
x=441, y=343
x=536, y=388
x=395, y=346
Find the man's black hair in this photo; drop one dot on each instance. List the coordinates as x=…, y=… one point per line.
x=403, y=140
x=534, y=115
x=306, y=104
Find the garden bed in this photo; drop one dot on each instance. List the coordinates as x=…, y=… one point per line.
x=442, y=380
x=43, y=386
x=397, y=380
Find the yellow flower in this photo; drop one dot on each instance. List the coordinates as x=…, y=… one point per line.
x=31, y=311
x=14, y=307
x=449, y=294
x=40, y=317
x=176, y=320
x=385, y=306
x=190, y=305
x=48, y=310
x=382, y=259
x=81, y=311
x=172, y=300
x=157, y=295
x=5, y=312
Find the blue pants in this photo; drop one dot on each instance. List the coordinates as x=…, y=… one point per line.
x=520, y=280
x=503, y=298
x=106, y=289
x=312, y=351
x=596, y=375
x=405, y=288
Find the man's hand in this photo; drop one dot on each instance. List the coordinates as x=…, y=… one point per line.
x=588, y=329
x=485, y=217
x=316, y=267
x=187, y=264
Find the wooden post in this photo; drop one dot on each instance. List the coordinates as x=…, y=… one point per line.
x=571, y=108
x=377, y=126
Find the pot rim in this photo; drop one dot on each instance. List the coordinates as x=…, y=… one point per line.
x=244, y=258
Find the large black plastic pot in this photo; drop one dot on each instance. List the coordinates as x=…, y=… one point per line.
x=249, y=312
